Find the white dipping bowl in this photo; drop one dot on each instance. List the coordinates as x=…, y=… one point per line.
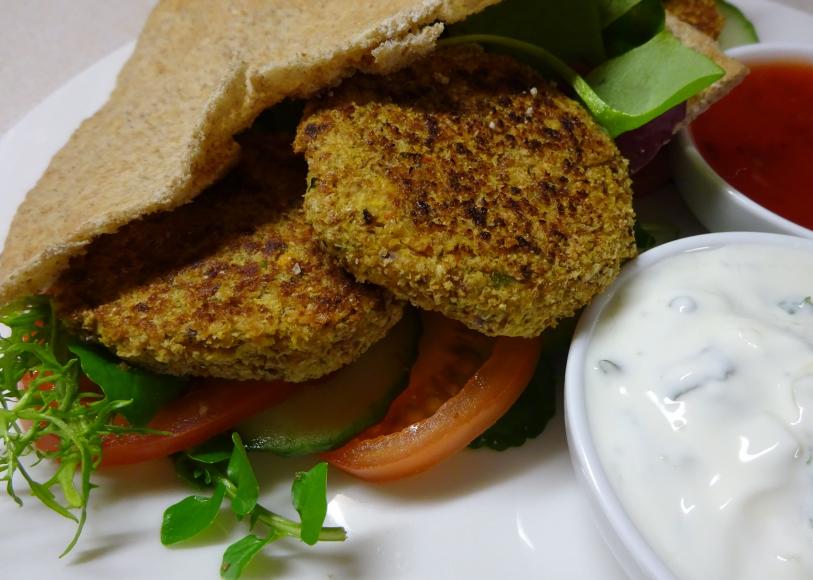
x=629, y=546
x=719, y=206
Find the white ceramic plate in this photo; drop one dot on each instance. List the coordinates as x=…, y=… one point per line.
x=479, y=515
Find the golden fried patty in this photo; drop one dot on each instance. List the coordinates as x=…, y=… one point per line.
x=468, y=185
x=231, y=285
x=702, y=14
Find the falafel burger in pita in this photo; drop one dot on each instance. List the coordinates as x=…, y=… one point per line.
x=333, y=228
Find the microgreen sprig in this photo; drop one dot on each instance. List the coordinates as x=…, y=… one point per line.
x=231, y=476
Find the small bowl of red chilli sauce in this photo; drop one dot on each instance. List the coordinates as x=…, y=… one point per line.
x=746, y=164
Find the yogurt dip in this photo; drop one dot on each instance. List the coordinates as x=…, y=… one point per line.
x=699, y=395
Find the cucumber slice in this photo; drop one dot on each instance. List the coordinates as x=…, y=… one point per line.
x=326, y=415
x=737, y=30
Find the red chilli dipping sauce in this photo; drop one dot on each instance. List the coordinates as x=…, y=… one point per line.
x=759, y=138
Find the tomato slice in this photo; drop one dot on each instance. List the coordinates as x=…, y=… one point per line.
x=208, y=409
x=462, y=383
x=205, y=411
x=50, y=443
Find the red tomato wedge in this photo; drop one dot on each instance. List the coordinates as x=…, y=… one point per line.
x=210, y=408
x=461, y=384
x=50, y=443
x=205, y=411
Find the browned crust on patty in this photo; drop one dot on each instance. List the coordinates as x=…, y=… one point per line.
x=233, y=285
x=201, y=71
x=469, y=185
x=702, y=14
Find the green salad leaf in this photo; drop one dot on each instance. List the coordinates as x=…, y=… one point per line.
x=40, y=397
x=528, y=416
x=631, y=24
x=650, y=72
x=233, y=477
x=612, y=10
x=571, y=30
x=531, y=413
x=147, y=392
x=649, y=80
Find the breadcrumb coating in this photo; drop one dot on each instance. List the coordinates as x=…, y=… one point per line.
x=232, y=285
x=469, y=185
x=702, y=14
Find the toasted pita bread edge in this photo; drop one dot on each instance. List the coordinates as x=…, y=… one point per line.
x=200, y=73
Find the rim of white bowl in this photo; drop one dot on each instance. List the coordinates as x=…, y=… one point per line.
x=584, y=455
x=752, y=54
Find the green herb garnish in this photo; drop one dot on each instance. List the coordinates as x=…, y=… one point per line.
x=41, y=400
x=231, y=476
x=148, y=392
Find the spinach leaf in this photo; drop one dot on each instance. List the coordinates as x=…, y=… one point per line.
x=571, y=30
x=612, y=10
x=190, y=516
x=641, y=21
x=628, y=91
x=308, y=494
x=650, y=73
x=649, y=80
x=147, y=391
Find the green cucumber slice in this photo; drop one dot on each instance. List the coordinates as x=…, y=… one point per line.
x=737, y=30
x=326, y=415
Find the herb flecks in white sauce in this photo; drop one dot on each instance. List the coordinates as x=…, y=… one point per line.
x=706, y=427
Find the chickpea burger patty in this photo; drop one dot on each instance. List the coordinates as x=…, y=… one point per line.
x=469, y=185
x=232, y=285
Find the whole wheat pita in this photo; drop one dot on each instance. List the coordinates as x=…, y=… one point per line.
x=201, y=72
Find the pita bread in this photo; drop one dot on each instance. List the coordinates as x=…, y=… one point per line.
x=734, y=70
x=202, y=70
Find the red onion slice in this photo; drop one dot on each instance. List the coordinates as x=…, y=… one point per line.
x=642, y=144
